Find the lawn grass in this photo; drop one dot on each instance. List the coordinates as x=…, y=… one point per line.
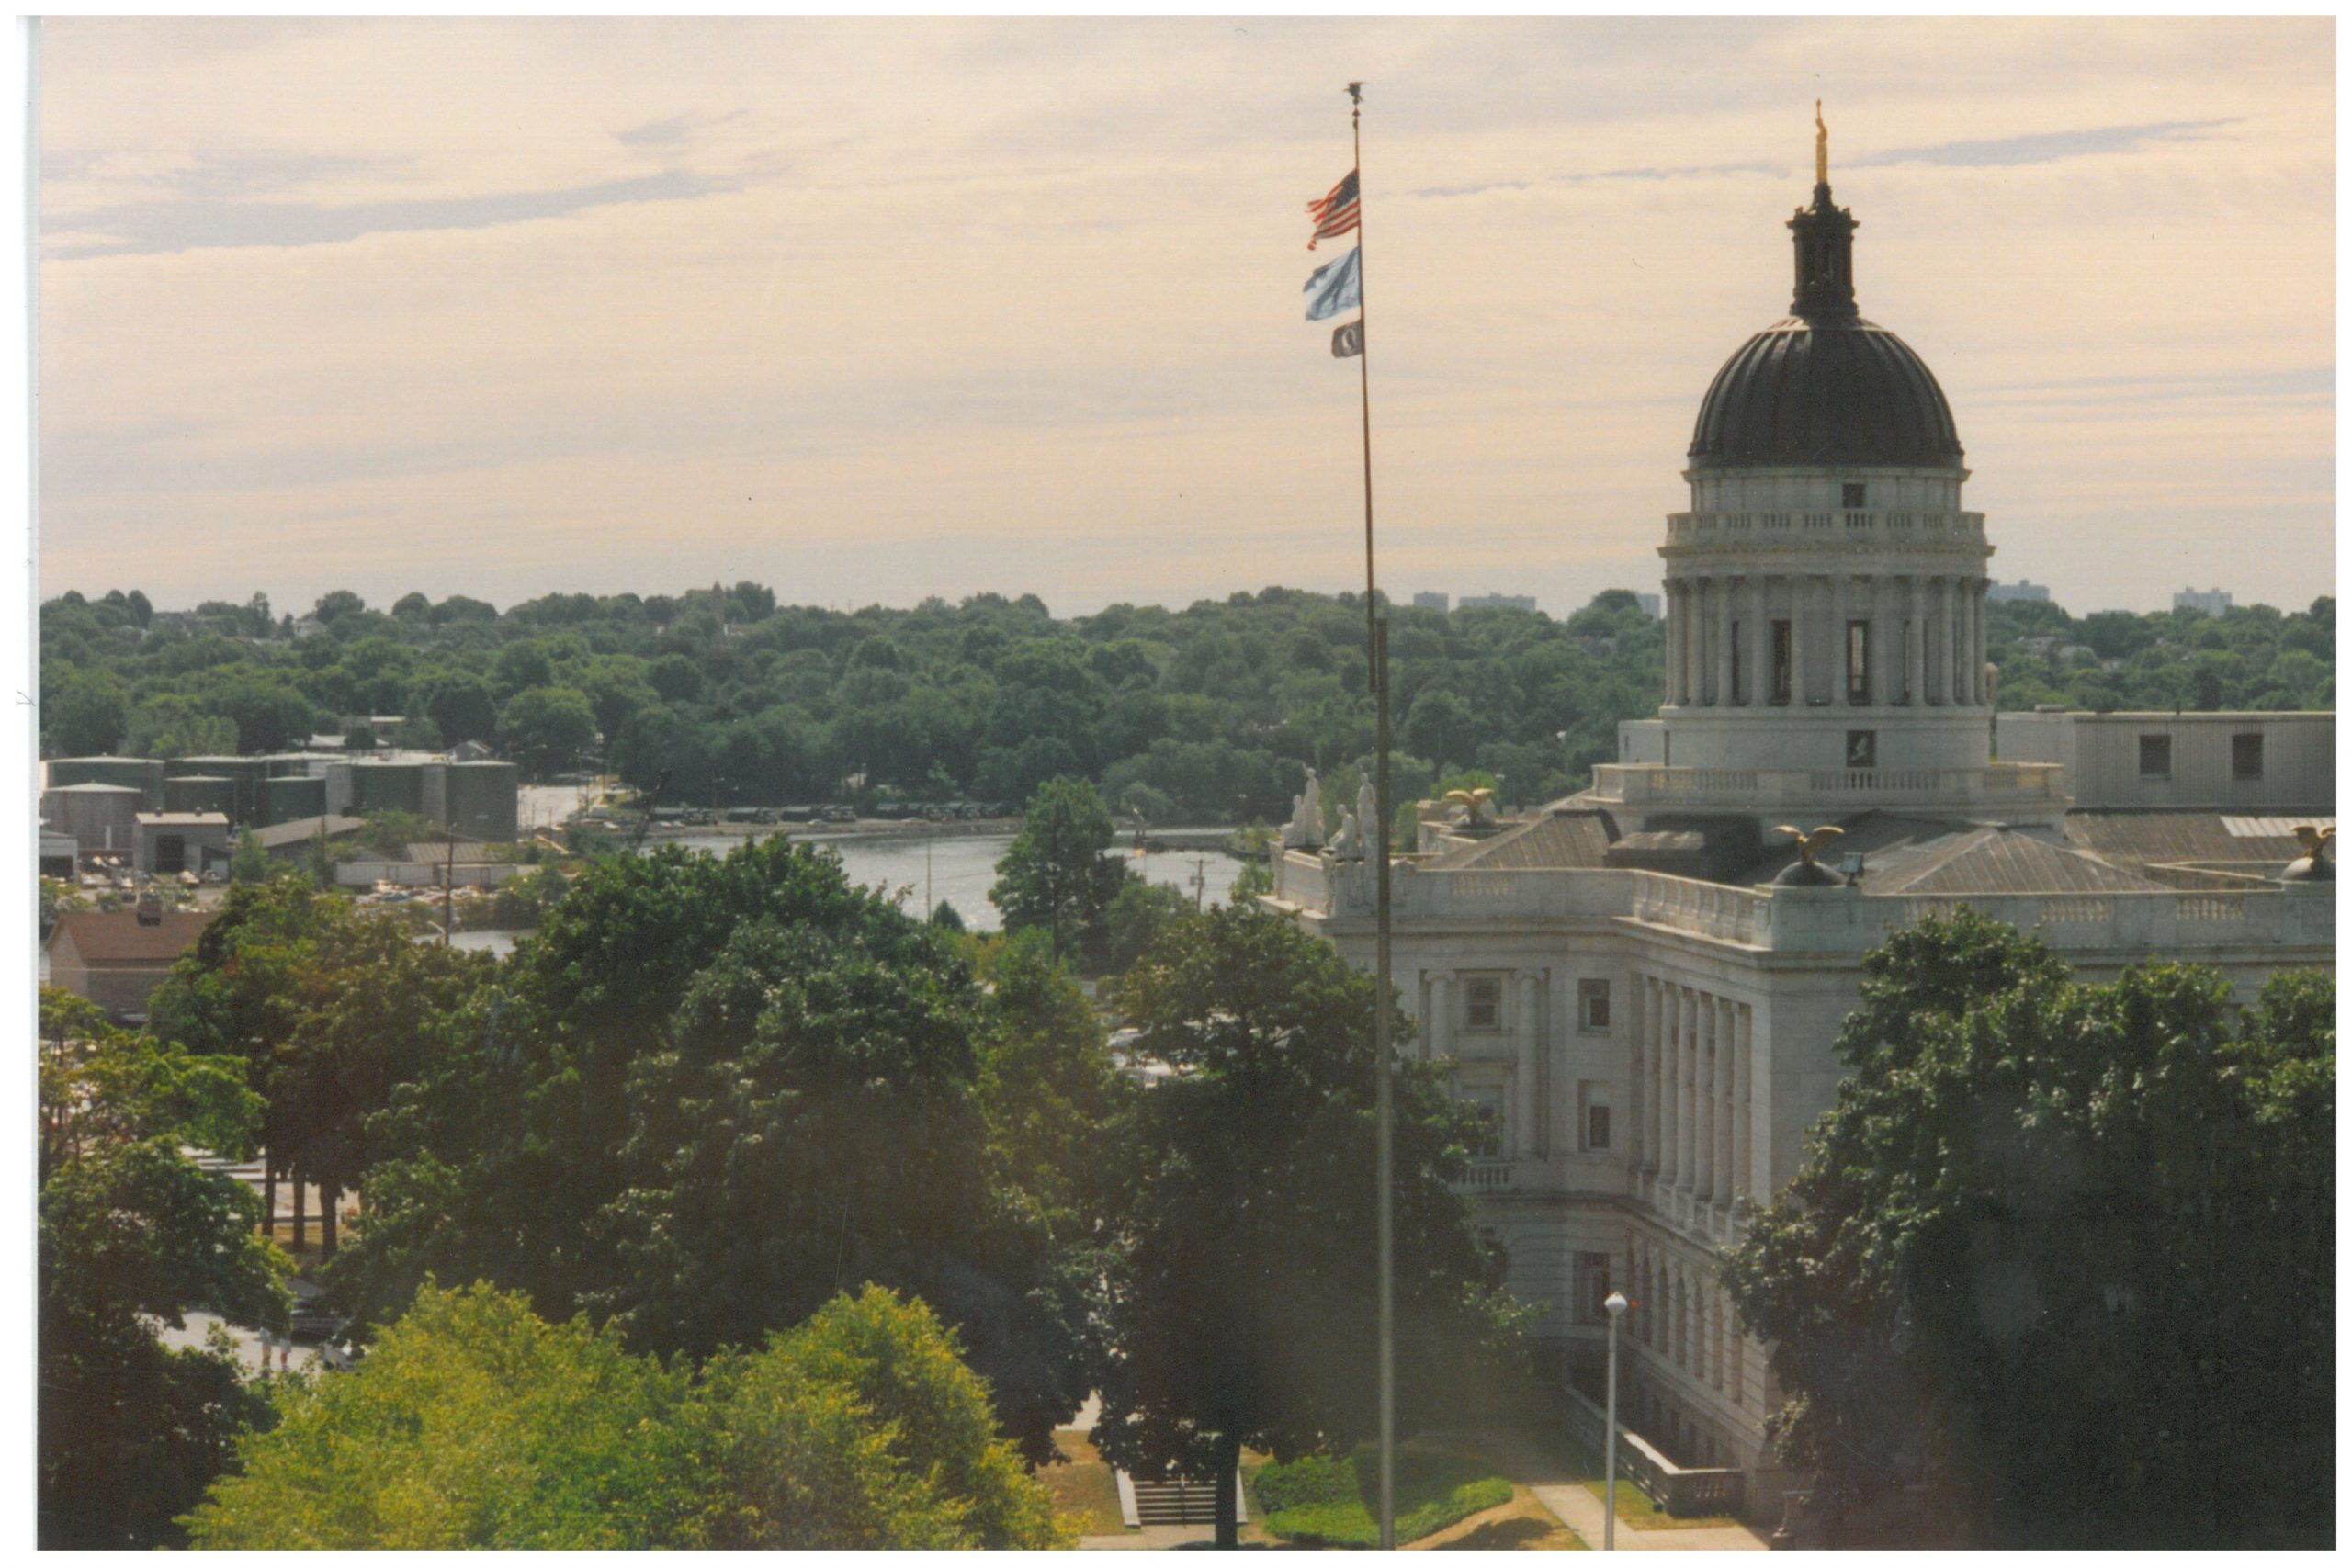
x=1634, y=1505
x=1084, y=1488
x=1329, y=1501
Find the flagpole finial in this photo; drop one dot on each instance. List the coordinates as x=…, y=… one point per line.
x=1820, y=147
x=1355, y=92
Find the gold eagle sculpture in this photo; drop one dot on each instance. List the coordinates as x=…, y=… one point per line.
x=1474, y=802
x=1809, y=844
x=2314, y=840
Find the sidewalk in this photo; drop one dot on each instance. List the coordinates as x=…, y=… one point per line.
x=1558, y=1488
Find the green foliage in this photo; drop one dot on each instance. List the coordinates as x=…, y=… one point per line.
x=1138, y=913
x=86, y=717
x=474, y=1423
x=705, y=1093
x=2016, y=1260
x=1242, y=1254
x=250, y=863
x=132, y=1231
x=1324, y=1500
x=943, y=915
x=547, y=729
x=1056, y=878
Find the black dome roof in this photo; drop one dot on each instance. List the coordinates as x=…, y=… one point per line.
x=1838, y=392
x=1825, y=385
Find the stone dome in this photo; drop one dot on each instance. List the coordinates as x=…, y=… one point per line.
x=1845, y=393
x=1825, y=387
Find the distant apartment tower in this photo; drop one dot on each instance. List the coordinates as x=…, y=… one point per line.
x=1498, y=601
x=1653, y=605
x=2213, y=601
x=2024, y=589
x=1438, y=602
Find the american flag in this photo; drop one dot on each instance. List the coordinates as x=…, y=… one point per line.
x=1336, y=213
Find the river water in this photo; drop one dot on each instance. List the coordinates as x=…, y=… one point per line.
x=929, y=869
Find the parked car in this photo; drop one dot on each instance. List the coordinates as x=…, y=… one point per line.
x=312, y=1325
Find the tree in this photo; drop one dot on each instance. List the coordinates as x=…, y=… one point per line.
x=705, y=1094
x=2015, y=1261
x=332, y=607
x=546, y=729
x=88, y=716
x=1049, y=1092
x=251, y=861
x=1241, y=1296
x=1138, y=913
x=1055, y=877
x=475, y=1422
x=132, y=1232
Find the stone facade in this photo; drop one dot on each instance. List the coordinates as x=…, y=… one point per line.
x=1646, y=1011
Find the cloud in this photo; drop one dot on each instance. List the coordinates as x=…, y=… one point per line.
x=2043, y=147
x=165, y=228
x=1688, y=171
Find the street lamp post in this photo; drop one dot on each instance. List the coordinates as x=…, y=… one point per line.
x=1615, y=1306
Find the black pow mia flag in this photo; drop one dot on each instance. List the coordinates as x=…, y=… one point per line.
x=1347, y=342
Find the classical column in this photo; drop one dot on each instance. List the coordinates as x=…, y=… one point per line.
x=1677, y=618
x=1726, y=1095
x=1703, y=1070
x=1529, y=1142
x=1686, y=1094
x=1654, y=1034
x=1977, y=695
x=1723, y=641
x=1759, y=641
x=1743, y=1117
x=1948, y=640
x=1670, y=1090
x=1800, y=590
x=1738, y=1363
x=1840, y=642
x=1914, y=642
x=1438, y=1033
x=1637, y=1022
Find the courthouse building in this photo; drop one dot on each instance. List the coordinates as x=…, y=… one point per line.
x=1644, y=984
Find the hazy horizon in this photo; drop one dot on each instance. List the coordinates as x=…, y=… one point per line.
x=870, y=310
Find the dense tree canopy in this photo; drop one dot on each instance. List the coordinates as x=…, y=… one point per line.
x=132, y=1232
x=705, y=1095
x=1243, y=1289
x=1208, y=713
x=474, y=1423
x=2064, y=1251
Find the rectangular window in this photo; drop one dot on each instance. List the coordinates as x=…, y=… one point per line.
x=1861, y=748
x=1595, y=1128
x=1737, y=678
x=2155, y=756
x=1856, y=497
x=2245, y=758
x=1481, y=1004
x=1858, y=664
x=1592, y=1287
x=1783, y=661
x=1592, y=1004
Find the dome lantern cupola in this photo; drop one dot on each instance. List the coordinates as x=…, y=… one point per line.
x=1825, y=244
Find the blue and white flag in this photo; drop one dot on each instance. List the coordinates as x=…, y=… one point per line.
x=1337, y=286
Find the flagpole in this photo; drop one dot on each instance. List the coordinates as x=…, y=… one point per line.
x=1384, y=1093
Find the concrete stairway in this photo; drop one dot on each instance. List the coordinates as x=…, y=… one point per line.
x=1177, y=1501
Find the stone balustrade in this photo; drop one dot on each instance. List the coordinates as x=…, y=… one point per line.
x=1685, y=1494
x=1702, y=527
x=1809, y=919
x=1643, y=785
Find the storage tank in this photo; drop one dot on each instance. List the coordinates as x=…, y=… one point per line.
x=144, y=774
x=244, y=775
x=388, y=786
x=97, y=815
x=292, y=799
x=481, y=799
x=201, y=791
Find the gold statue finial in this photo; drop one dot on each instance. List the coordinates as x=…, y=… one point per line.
x=2315, y=839
x=1820, y=147
x=1813, y=843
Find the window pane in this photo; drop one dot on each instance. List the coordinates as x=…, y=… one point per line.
x=2245, y=757
x=2155, y=756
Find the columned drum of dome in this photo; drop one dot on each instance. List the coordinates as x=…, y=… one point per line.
x=1825, y=588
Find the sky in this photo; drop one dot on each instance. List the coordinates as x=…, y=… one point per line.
x=870, y=310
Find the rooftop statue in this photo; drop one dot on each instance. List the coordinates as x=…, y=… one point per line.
x=1820, y=147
